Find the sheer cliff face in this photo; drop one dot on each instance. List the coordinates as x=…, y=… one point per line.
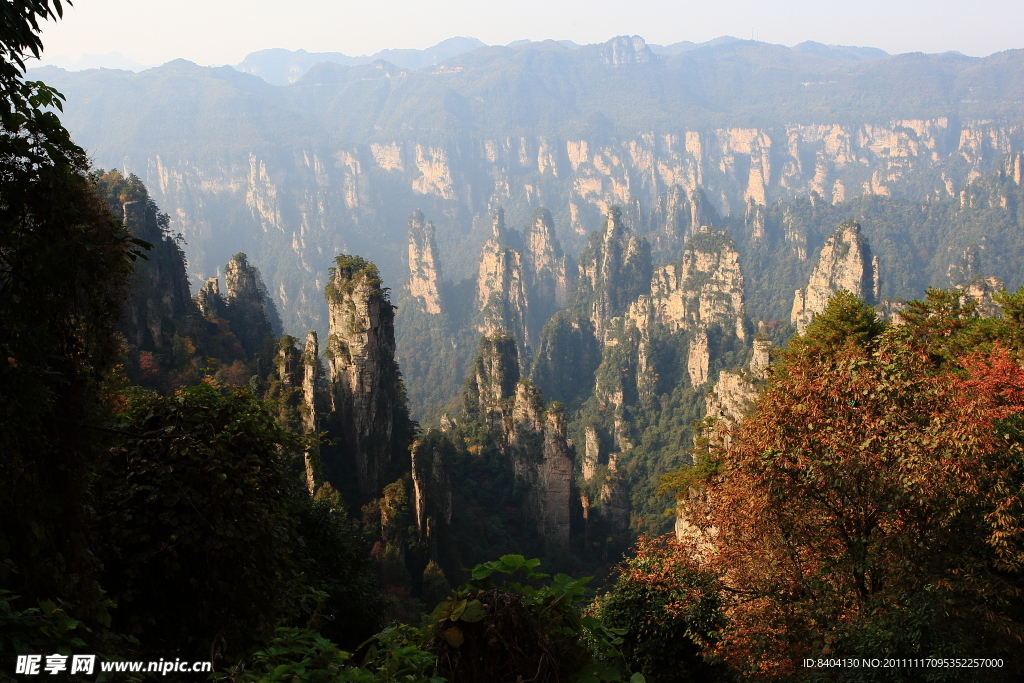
x=845, y=263
x=541, y=457
x=614, y=269
x=363, y=375
x=271, y=157
x=432, y=488
x=555, y=483
x=424, y=266
x=501, y=288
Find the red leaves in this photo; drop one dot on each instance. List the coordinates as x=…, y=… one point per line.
x=861, y=478
x=995, y=382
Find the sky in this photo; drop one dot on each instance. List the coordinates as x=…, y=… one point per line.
x=215, y=32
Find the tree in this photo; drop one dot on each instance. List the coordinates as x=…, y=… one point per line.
x=668, y=610
x=846, y=321
x=870, y=507
x=19, y=37
x=64, y=267
x=336, y=561
x=199, y=518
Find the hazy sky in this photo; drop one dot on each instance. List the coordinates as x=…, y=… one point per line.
x=224, y=31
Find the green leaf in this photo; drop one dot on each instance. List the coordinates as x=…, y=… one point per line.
x=454, y=636
x=474, y=611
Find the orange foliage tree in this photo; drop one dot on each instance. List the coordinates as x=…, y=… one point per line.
x=871, y=506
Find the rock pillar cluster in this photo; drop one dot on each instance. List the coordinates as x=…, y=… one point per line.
x=614, y=269
x=532, y=436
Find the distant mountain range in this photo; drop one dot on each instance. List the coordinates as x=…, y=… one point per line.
x=337, y=160
x=279, y=66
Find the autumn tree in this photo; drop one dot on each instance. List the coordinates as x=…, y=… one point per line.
x=871, y=504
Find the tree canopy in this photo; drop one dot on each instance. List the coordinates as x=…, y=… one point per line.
x=871, y=504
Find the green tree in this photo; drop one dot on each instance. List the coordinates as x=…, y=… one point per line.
x=336, y=561
x=846, y=321
x=19, y=39
x=668, y=611
x=64, y=268
x=199, y=516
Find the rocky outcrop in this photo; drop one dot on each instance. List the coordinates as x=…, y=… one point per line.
x=591, y=453
x=290, y=368
x=312, y=399
x=566, y=358
x=542, y=457
x=159, y=285
x=704, y=288
x=312, y=377
x=249, y=308
x=614, y=269
x=979, y=290
x=677, y=215
x=845, y=263
x=211, y=304
x=555, y=479
x=548, y=269
x=614, y=496
x=501, y=287
x=626, y=50
x=735, y=392
x=301, y=377
x=731, y=399
x=492, y=380
x=698, y=358
x=532, y=435
x=761, y=358
x=424, y=266
x=365, y=389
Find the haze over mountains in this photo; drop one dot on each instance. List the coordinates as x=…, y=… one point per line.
x=630, y=227
x=279, y=66
x=337, y=160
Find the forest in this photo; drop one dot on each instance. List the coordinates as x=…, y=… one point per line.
x=181, y=480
